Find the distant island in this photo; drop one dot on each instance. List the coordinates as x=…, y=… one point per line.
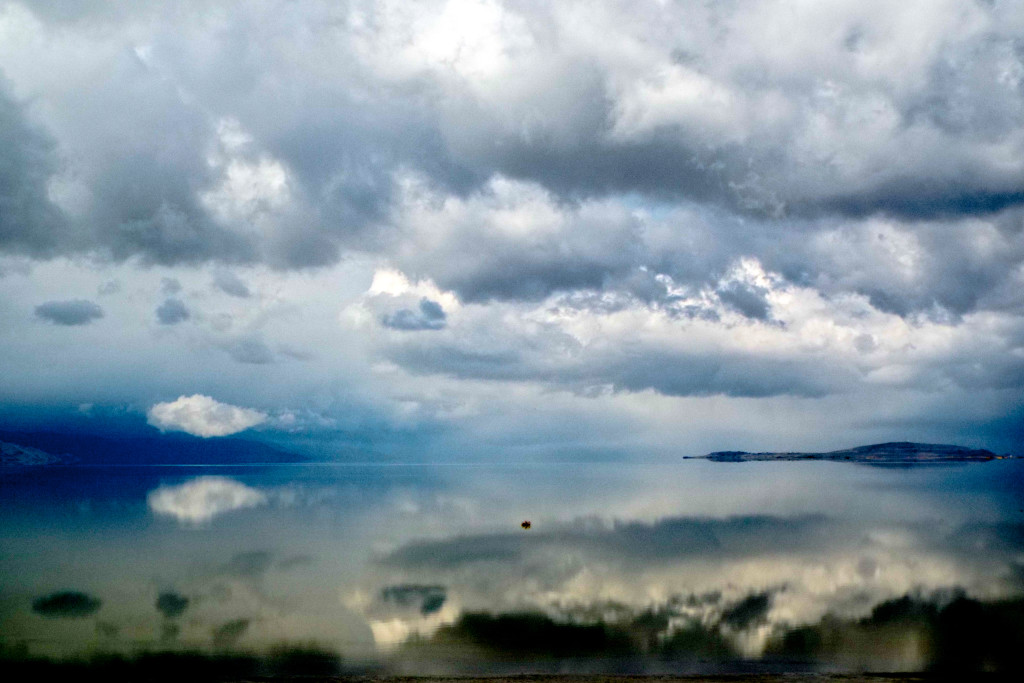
x=893, y=453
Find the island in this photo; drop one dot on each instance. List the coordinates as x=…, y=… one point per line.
x=892, y=453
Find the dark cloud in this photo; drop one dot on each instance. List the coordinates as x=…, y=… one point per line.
x=29, y=222
x=682, y=374
x=748, y=300
x=66, y=605
x=430, y=316
x=230, y=284
x=171, y=604
x=764, y=173
x=72, y=312
x=459, y=362
x=559, y=246
x=172, y=312
x=147, y=188
x=672, y=373
x=779, y=154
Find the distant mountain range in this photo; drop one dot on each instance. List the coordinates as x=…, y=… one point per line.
x=53, y=448
x=892, y=453
x=13, y=454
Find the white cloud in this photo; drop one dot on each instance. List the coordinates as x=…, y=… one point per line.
x=200, y=500
x=203, y=416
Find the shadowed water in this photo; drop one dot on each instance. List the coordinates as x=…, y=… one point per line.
x=632, y=568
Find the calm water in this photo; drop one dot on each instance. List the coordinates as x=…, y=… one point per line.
x=425, y=568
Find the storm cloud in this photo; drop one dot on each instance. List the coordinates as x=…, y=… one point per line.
x=670, y=116
x=69, y=313
x=29, y=223
x=172, y=312
x=231, y=284
x=430, y=316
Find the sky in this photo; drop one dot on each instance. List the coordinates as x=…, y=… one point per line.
x=515, y=230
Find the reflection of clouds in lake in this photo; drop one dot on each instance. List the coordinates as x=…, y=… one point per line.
x=201, y=499
x=673, y=559
x=771, y=572
x=66, y=605
x=251, y=564
x=256, y=600
x=171, y=604
x=632, y=542
x=397, y=612
x=944, y=631
x=227, y=635
x=427, y=599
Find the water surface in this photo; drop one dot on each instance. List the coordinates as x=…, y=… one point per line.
x=648, y=567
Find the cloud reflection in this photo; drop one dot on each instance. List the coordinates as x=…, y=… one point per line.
x=727, y=585
x=943, y=632
x=865, y=570
x=171, y=604
x=201, y=499
x=66, y=605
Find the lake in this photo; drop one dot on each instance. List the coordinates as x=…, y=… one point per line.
x=688, y=566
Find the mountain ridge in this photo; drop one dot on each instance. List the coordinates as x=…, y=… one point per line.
x=56, y=448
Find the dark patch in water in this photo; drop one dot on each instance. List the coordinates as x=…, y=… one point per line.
x=66, y=605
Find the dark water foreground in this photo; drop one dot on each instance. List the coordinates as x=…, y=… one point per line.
x=226, y=573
